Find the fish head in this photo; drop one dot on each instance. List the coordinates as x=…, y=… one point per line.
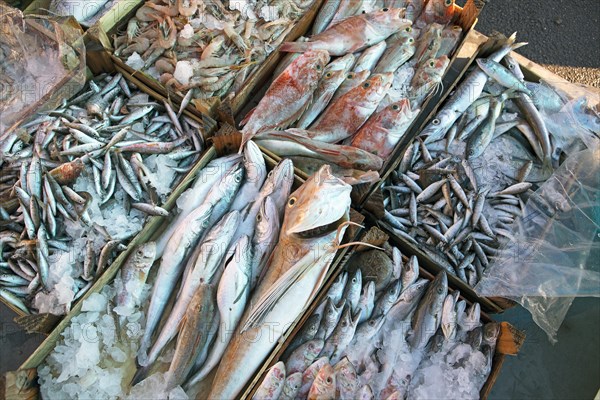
x=340, y=282
x=254, y=163
x=319, y=207
x=357, y=76
x=435, y=67
x=474, y=337
x=267, y=221
x=369, y=290
x=474, y=313
x=491, y=331
x=346, y=372
x=376, y=322
x=325, y=380
x=461, y=305
x=437, y=292
x=333, y=76
x=144, y=255
x=374, y=88
x=313, y=324
x=293, y=382
x=484, y=63
x=394, y=17
x=394, y=289
x=279, y=183
x=277, y=373
x=308, y=68
x=224, y=227
x=346, y=320
x=356, y=281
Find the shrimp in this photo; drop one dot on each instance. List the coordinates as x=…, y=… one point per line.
x=167, y=33
x=132, y=29
x=187, y=8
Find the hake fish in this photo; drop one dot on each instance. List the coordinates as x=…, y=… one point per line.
x=314, y=215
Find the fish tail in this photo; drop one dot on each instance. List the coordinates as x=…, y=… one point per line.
x=515, y=46
x=140, y=375
x=295, y=47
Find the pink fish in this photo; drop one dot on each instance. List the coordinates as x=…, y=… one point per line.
x=354, y=33
x=288, y=96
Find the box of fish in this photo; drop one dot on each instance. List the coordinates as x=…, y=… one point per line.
x=206, y=51
x=235, y=267
x=349, y=93
x=78, y=182
x=462, y=185
x=385, y=329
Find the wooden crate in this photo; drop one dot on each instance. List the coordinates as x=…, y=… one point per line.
x=43, y=323
x=99, y=36
x=509, y=341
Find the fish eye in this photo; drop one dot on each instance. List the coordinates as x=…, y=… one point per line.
x=328, y=75
x=395, y=107
x=140, y=252
x=410, y=40
x=328, y=379
x=511, y=66
x=457, y=28
x=252, y=58
x=350, y=76
x=353, y=280
x=258, y=217
x=364, y=12
x=385, y=9
x=431, y=63
x=439, y=290
x=436, y=121
x=366, y=85
x=205, y=224
x=291, y=201
x=408, y=29
x=448, y=3
x=238, y=179
x=318, y=67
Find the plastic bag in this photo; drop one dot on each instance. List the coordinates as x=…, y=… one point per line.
x=547, y=264
x=42, y=62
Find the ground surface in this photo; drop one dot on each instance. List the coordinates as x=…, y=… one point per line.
x=564, y=36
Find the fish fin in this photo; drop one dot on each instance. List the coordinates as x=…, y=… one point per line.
x=266, y=303
x=294, y=47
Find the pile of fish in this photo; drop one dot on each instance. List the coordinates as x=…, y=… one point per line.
x=78, y=182
x=206, y=48
x=383, y=333
x=347, y=94
x=228, y=266
x=85, y=13
x=464, y=182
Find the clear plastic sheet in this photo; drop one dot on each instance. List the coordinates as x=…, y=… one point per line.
x=548, y=263
x=42, y=62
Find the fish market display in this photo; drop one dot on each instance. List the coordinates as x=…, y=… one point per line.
x=224, y=271
x=203, y=49
x=347, y=94
x=409, y=338
x=78, y=183
x=466, y=179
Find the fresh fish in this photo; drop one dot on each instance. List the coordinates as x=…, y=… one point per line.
x=134, y=274
x=352, y=290
x=212, y=250
x=408, y=301
x=255, y=175
x=383, y=130
x=232, y=295
x=427, y=317
x=192, y=334
x=366, y=303
x=331, y=315
x=281, y=106
x=171, y=267
x=304, y=356
x=309, y=375
x=343, y=118
x=341, y=336
x=352, y=80
x=272, y=386
x=329, y=83
x=387, y=298
x=291, y=386
x=264, y=238
x=370, y=57
x=323, y=388
x=306, y=333
x=401, y=47
x=346, y=379
x=353, y=33
x=325, y=15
